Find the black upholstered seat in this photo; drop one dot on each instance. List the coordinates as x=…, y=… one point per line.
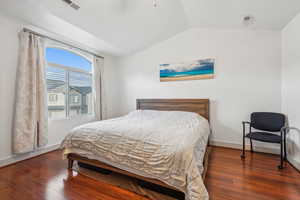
x=264, y=137
x=266, y=122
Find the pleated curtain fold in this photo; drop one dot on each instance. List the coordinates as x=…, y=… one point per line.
x=31, y=112
x=99, y=90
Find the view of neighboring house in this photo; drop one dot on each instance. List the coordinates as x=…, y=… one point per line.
x=80, y=99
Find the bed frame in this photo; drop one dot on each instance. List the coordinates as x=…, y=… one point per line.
x=200, y=106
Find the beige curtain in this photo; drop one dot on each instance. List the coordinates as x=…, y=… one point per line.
x=99, y=90
x=31, y=113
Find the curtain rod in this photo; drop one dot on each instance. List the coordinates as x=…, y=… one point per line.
x=55, y=40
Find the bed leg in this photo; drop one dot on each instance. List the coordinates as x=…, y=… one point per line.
x=70, y=163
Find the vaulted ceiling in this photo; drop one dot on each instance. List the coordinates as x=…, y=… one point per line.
x=125, y=26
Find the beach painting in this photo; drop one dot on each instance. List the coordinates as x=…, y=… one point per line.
x=194, y=70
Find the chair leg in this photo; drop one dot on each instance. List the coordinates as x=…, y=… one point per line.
x=285, y=156
x=243, y=153
x=281, y=155
x=251, y=145
x=70, y=164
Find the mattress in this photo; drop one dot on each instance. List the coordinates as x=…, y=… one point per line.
x=164, y=145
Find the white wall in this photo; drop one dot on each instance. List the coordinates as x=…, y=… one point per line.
x=8, y=65
x=111, y=93
x=248, y=76
x=290, y=85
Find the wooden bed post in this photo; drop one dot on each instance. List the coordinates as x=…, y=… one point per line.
x=70, y=163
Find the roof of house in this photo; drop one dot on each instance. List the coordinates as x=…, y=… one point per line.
x=59, y=87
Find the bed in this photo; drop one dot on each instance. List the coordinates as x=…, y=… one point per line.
x=159, y=143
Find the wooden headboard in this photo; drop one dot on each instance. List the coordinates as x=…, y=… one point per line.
x=200, y=106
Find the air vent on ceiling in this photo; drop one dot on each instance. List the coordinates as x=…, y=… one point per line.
x=248, y=20
x=72, y=4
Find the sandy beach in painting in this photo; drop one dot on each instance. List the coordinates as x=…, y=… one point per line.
x=183, y=78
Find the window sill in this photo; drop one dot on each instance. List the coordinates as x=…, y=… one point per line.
x=90, y=117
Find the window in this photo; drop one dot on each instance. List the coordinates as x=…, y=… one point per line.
x=52, y=97
x=69, y=84
x=75, y=99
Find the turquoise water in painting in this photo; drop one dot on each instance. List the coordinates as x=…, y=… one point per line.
x=199, y=67
x=188, y=73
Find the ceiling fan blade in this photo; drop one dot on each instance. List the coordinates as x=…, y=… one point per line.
x=72, y=4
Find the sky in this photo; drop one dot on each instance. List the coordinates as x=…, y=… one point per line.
x=67, y=58
x=184, y=66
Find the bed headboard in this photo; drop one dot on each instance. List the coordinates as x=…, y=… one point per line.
x=200, y=106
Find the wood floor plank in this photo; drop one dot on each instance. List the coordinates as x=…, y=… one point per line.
x=257, y=177
x=228, y=178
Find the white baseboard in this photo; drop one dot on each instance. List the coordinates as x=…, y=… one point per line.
x=247, y=147
x=16, y=158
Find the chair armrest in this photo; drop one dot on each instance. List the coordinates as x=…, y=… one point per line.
x=245, y=122
x=286, y=129
x=283, y=131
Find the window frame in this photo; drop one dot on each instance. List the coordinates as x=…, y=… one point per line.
x=67, y=70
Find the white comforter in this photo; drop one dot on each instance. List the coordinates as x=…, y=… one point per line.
x=165, y=145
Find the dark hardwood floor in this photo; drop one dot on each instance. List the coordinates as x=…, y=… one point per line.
x=228, y=178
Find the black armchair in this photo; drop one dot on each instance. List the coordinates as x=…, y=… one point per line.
x=266, y=123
